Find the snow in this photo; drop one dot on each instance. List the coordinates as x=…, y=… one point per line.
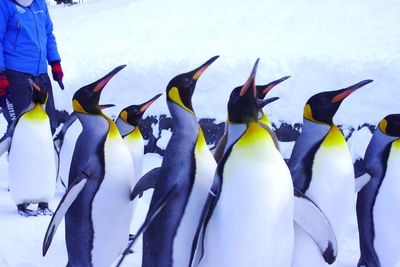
x=22, y=238
x=323, y=45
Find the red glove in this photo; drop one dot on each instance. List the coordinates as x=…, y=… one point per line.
x=58, y=73
x=3, y=84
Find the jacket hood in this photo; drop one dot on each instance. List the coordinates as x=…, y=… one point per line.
x=24, y=3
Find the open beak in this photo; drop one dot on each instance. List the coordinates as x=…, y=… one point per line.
x=147, y=104
x=262, y=103
x=197, y=72
x=101, y=107
x=349, y=90
x=265, y=89
x=101, y=83
x=251, y=80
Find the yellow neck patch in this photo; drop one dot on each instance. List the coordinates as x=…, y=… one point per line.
x=135, y=134
x=308, y=113
x=264, y=119
x=201, y=141
x=37, y=113
x=173, y=94
x=113, y=129
x=334, y=137
x=396, y=144
x=255, y=136
x=77, y=107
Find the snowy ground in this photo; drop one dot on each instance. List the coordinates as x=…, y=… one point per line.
x=323, y=45
x=21, y=238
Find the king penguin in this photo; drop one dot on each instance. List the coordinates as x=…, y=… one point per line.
x=262, y=91
x=378, y=203
x=322, y=169
x=65, y=141
x=248, y=217
x=97, y=204
x=128, y=125
x=182, y=182
x=31, y=147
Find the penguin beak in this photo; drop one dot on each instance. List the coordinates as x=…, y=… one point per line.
x=100, y=84
x=250, y=83
x=101, y=107
x=262, y=103
x=34, y=85
x=349, y=90
x=263, y=90
x=197, y=72
x=147, y=104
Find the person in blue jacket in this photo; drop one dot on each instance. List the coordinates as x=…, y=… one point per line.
x=27, y=46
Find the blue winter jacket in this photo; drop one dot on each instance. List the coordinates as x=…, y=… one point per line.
x=26, y=37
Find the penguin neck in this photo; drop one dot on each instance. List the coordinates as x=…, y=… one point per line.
x=235, y=131
x=377, y=145
x=124, y=127
x=36, y=112
x=184, y=121
x=318, y=130
x=263, y=118
x=112, y=129
x=94, y=126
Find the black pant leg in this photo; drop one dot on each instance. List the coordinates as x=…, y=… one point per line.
x=20, y=90
x=44, y=83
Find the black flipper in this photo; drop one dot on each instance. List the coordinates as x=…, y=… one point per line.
x=149, y=218
x=147, y=181
x=59, y=138
x=67, y=200
x=313, y=221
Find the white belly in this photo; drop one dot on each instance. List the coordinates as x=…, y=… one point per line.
x=332, y=189
x=67, y=150
x=252, y=224
x=386, y=214
x=32, y=162
x=136, y=148
x=111, y=207
x=205, y=169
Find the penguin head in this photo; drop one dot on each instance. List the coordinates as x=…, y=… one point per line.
x=390, y=125
x=242, y=104
x=133, y=114
x=180, y=89
x=322, y=107
x=86, y=99
x=263, y=90
x=39, y=95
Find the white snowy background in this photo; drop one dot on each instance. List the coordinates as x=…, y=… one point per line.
x=323, y=45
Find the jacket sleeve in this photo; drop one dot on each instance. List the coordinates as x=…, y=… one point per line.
x=3, y=26
x=52, y=52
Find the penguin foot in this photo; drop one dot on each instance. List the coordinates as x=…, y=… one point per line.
x=45, y=212
x=24, y=211
x=43, y=209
